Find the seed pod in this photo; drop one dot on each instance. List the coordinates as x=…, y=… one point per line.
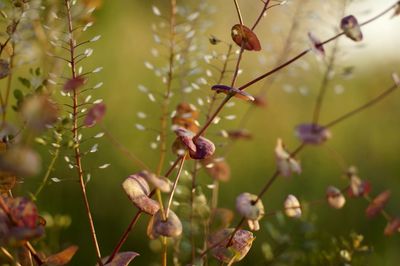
x=312, y=134
x=392, y=227
x=95, y=114
x=377, y=204
x=186, y=138
x=358, y=187
x=217, y=168
x=39, y=112
x=172, y=227
x=292, y=207
x=185, y=116
x=21, y=161
x=204, y=149
x=232, y=91
x=245, y=37
x=316, y=45
x=286, y=164
x=252, y=212
x=7, y=181
x=335, y=197
x=138, y=190
x=74, y=84
x=162, y=183
x=4, y=68
x=240, y=246
x=239, y=134
x=351, y=28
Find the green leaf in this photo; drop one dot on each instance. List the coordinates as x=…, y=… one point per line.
x=18, y=95
x=25, y=82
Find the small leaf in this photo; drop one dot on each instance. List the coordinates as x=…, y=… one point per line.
x=61, y=258
x=25, y=82
x=4, y=68
x=18, y=95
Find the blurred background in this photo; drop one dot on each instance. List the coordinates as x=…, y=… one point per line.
x=369, y=140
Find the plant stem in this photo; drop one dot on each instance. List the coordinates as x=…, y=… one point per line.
x=362, y=107
x=171, y=196
x=75, y=136
x=49, y=168
x=238, y=12
x=261, y=15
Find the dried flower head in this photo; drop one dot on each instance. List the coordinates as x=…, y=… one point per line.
x=351, y=28
x=245, y=37
x=138, y=191
x=172, y=227
x=312, y=134
x=253, y=212
x=335, y=197
x=285, y=163
x=377, y=204
x=95, y=114
x=232, y=91
x=240, y=246
x=292, y=207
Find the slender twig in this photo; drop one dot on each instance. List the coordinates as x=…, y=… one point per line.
x=171, y=196
x=261, y=15
x=238, y=12
x=362, y=107
x=56, y=153
x=75, y=133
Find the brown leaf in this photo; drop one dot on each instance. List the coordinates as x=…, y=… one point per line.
x=7, y=181
x=61, y=258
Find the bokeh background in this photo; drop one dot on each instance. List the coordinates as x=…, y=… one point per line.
x=369, y=140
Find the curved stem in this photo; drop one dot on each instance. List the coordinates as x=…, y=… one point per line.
x=238, y=12
x=171, y=196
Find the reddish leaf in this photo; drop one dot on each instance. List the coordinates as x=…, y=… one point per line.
x=377, y=204
x=245, y=37
x=61, y=258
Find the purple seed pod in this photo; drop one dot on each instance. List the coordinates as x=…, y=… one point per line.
x=351, y=28
x=172, y=227
x=312, y=134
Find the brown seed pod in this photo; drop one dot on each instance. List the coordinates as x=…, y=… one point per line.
x=392, y=227
x=39, y=111
x=199, y=148
x=162, y=183
x=74, y=84
x=217, y=168
x=351, y=28
x=95, y=114
x=232, y=91
x=335, y=197
x=252, y=212
x=312, y=134
x=172, y=227
x=377, y=204
x=138, y=192
x=240, y=246
x=245, y=37
x=21, y=161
